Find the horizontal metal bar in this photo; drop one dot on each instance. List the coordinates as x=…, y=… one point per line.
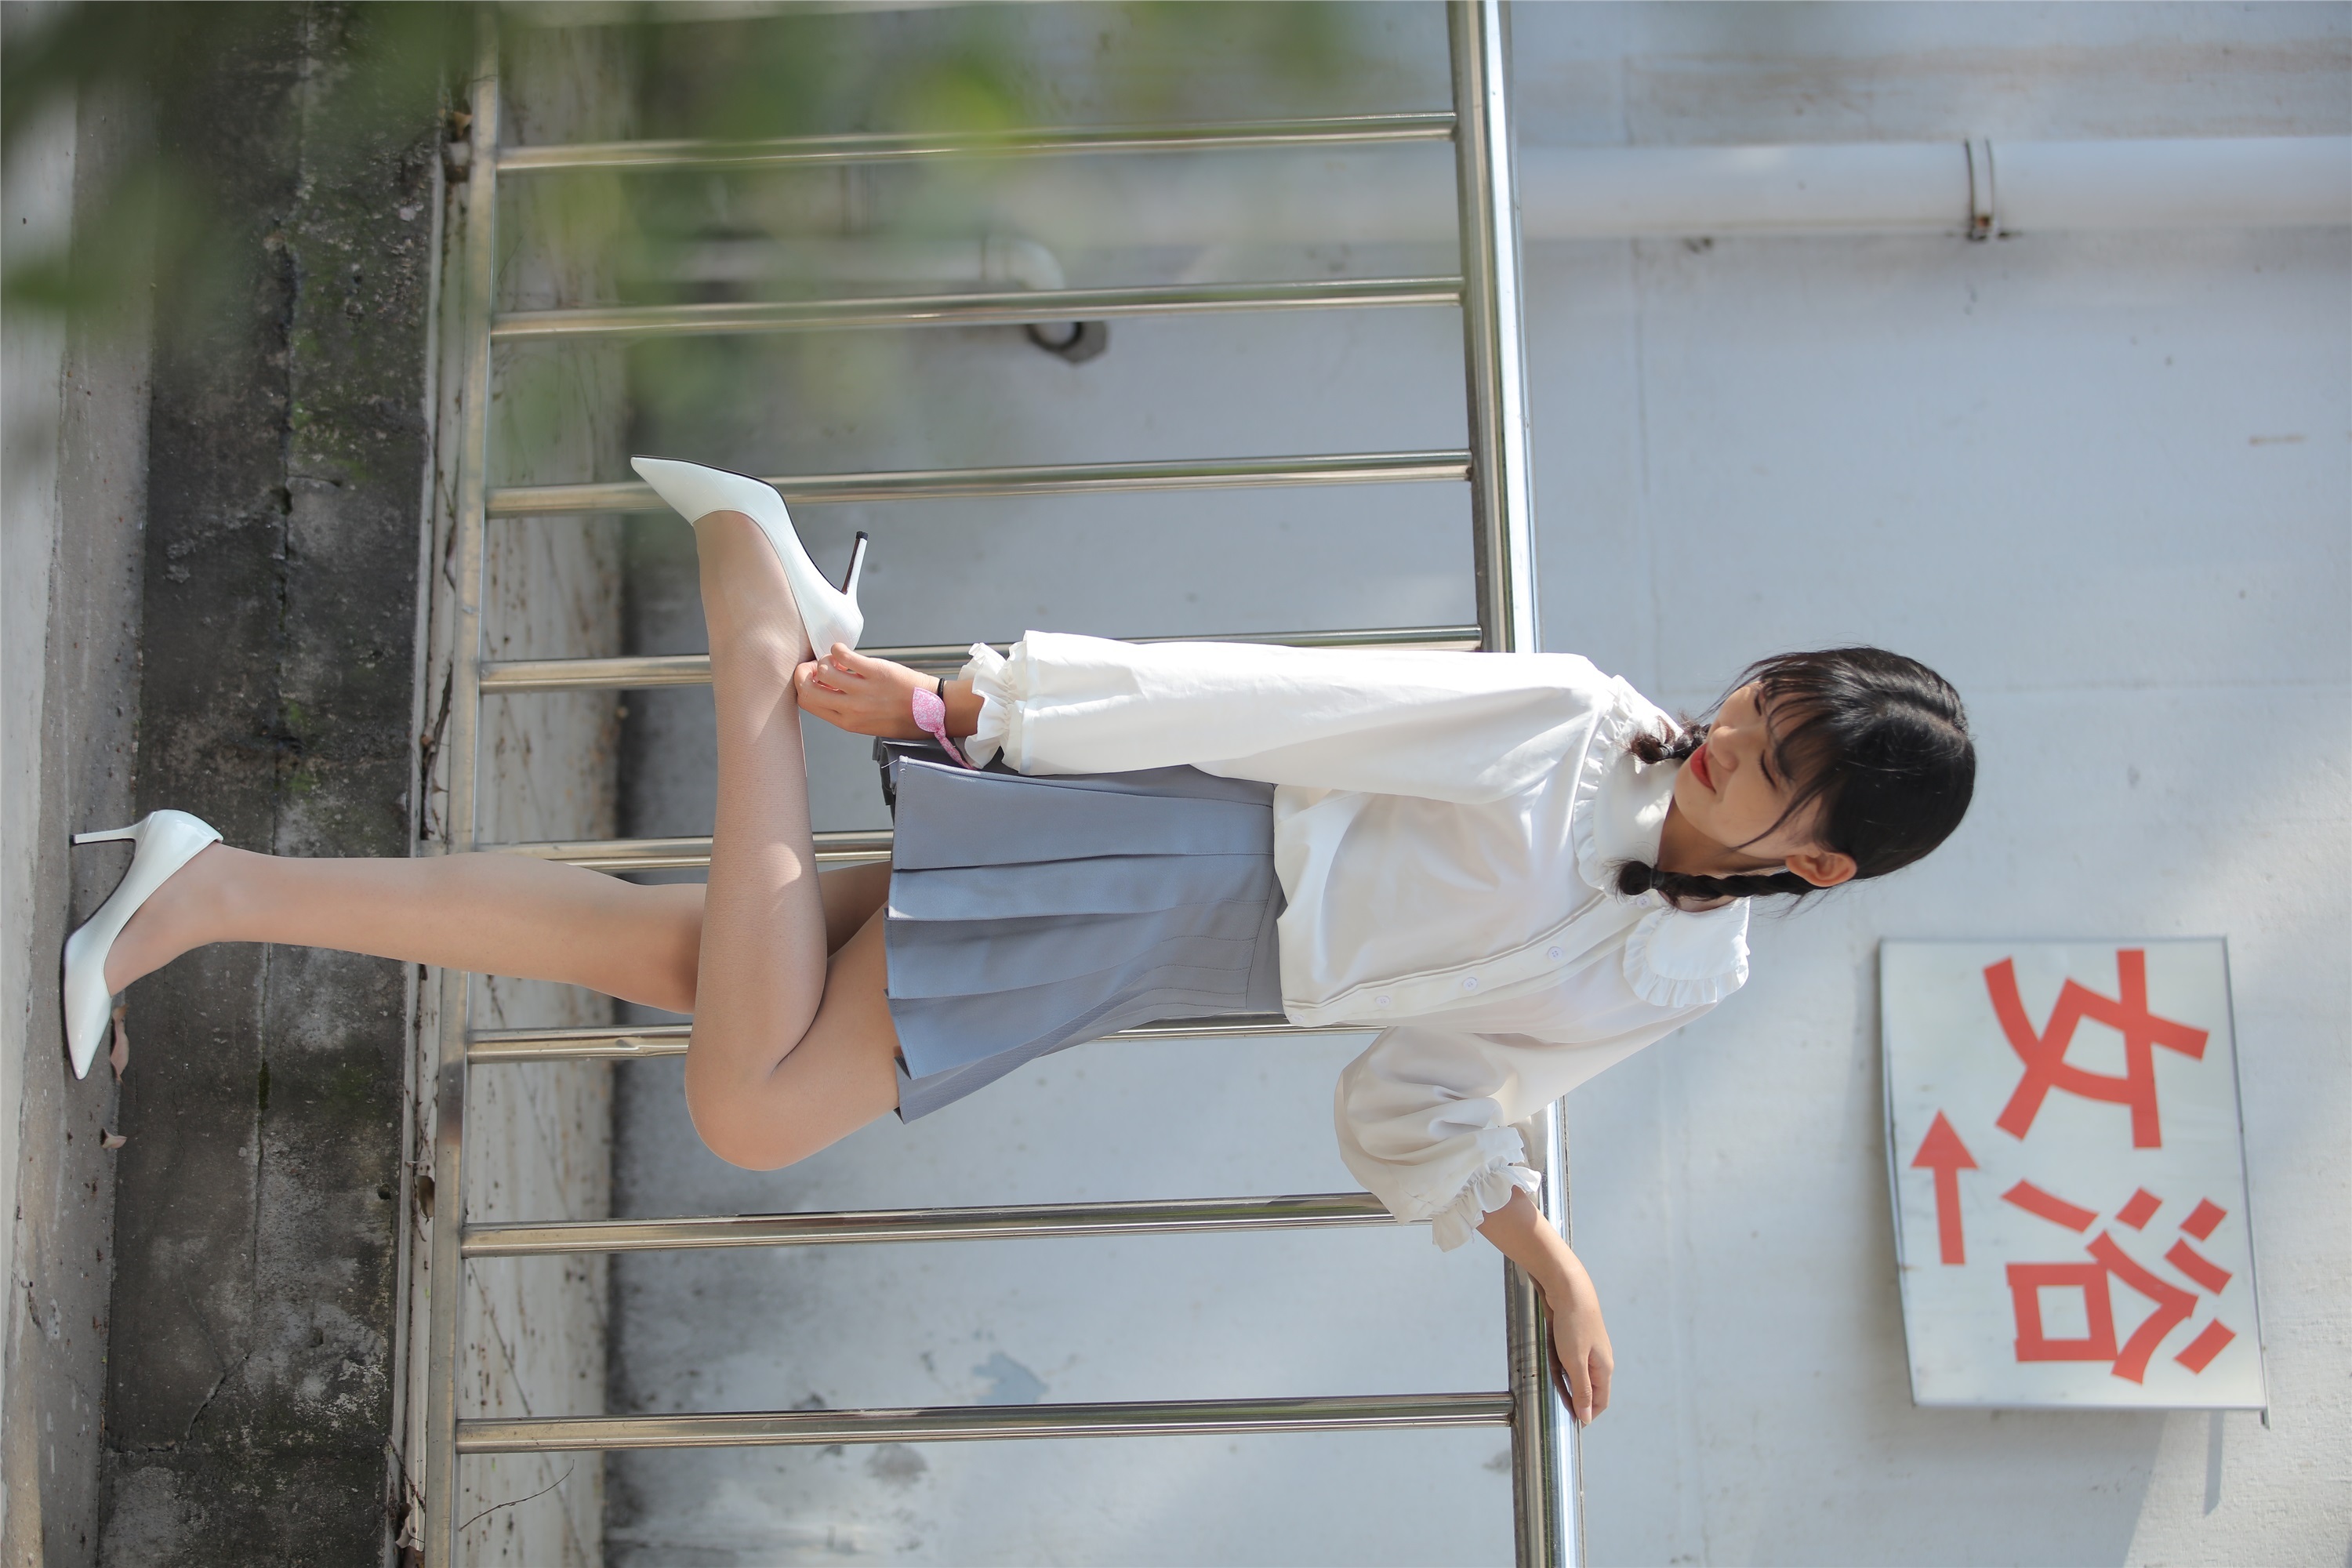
x=1345, y=1413
x=1171, y=1216
x=644, y=1042
x=1035, y=479
x=489, y=1046
x=638, y=673
x=647, y=671
x=1012, y=307
x=682, y=854
x=883, y=147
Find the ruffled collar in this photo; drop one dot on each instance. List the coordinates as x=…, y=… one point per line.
x=1620, y=811
x=1674, y=958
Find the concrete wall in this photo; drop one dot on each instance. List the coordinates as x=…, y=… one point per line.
x=220, y=1269
x=251, y=1379
x=2101, y=482
x=76, y=432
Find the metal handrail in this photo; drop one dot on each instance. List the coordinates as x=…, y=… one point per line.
x=993, y=307
x=939, y=1424
x=644, y=1042
x=1548, y=1505
x=885, y=147
x=842, y=848
x=1025, y=480
x=645, y=672
x=1170, y=1216
x=1546, y=1464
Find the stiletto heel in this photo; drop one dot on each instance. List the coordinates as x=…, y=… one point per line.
x=828, y=614
x=857, y=566
x=167, y=840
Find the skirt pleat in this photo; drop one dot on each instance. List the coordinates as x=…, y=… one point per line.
x=1031, y=914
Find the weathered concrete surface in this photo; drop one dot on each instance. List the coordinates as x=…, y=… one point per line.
x=250, y=1389
x=77, y=407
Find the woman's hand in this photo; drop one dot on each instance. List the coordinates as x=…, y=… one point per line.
x=1524, y=1236
x=1581, y=1340
x=863, y=696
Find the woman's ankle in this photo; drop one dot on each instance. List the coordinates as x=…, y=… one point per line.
x=744, y=590
x=185, y=913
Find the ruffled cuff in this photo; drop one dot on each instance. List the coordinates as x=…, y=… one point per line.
x=988, y=671
x=1489, y=1188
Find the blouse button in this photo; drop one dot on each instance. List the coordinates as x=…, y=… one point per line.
x=1469, y=982
x=1381, y=1001
x=1553, y=954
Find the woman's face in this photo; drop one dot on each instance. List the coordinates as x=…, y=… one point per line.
x=1730, y=791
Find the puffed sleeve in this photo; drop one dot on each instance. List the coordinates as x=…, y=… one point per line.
x=1426, y=1117
x=1423, y=1125
x=1441, y=726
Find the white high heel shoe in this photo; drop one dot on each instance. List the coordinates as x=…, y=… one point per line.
x=167, y=840
x=828, y=614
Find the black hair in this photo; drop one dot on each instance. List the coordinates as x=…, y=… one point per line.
x=1879, y=741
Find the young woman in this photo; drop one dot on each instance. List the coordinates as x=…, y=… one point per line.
x=1514, y=868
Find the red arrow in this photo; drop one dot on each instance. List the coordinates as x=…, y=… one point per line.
x=1943, y=1153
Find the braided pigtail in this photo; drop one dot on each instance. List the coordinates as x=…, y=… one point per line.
x=1634, y=878
x=1676, y=748
x=1687, y=892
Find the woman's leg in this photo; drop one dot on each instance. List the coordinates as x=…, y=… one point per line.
x=492, y=914
x=792, y=1044
x=789, y=1052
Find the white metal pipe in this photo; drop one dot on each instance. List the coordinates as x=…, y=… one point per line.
x=1622, y=193
x=2255, y=182
x=1627, y=192
x=1612, y=193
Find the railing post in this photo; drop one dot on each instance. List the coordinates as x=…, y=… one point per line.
x=1546, y=1479
x=1545, y=1475
x=1493, y=331
x=445, y=1286
x=1546, y=1490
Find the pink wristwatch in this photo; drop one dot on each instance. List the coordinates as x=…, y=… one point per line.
x=932, y=718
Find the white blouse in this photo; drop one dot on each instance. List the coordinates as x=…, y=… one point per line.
x=1447, y=830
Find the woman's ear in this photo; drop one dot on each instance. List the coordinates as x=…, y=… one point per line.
x=1823, y=868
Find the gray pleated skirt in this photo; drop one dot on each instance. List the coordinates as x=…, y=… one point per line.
x=1030, y=914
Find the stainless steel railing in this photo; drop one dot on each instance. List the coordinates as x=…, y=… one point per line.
x=1546, y=1488
x=644, y=671
x=1009, y=308
x=645, y=1041
x=885, y=147
x=1488, y=293
x=1040, y=478
x=1156, y=1418
x=1169, y=1216
x=842, y=848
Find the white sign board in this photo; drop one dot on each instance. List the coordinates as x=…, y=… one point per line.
x=2070, y=1194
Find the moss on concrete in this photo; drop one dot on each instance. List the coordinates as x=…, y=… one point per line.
x=250, y=1395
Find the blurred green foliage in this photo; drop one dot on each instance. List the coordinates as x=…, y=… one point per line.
x=384, y=78
x=721, y=73
x=153, y=208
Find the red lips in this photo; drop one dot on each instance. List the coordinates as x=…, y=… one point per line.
x=1698, y=766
